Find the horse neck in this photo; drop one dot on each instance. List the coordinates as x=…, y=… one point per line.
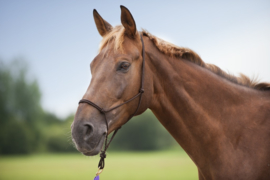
x=200, y=109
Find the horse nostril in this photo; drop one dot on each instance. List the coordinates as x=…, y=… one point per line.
x=88, y=131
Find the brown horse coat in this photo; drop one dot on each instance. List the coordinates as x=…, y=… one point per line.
x=221, y=121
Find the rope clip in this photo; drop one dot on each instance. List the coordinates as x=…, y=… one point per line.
x=99, y=171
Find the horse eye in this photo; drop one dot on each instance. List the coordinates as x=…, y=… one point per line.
x=124, y=66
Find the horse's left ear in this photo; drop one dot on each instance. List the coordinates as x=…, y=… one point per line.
x=128, y=21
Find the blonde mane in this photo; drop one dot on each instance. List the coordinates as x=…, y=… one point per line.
x=118, y=33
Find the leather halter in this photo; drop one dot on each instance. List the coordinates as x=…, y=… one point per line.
x=102, y=111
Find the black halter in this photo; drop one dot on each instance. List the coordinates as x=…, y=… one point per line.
x=101, y=110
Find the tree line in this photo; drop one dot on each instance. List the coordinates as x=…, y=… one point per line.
x=25, y=127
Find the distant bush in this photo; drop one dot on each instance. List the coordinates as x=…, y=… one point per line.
x=143, y=132
x=16, y=138
x=58, y=135
x=59, y=143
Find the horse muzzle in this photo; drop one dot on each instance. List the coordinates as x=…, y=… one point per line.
x=87, y=138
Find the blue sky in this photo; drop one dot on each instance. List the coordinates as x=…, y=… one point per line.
x=59, y=38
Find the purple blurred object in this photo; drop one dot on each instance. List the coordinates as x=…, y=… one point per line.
x=96, y=178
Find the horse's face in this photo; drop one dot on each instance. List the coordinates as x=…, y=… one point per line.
x=115, y=78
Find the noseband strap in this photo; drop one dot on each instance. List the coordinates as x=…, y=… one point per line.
x=102, y=111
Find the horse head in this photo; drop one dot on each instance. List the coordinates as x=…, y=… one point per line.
x=116, y=77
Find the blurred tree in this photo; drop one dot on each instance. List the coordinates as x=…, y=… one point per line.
x=20, y=109
x=24, y=126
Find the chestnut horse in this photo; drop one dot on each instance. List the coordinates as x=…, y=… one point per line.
x=220, y=120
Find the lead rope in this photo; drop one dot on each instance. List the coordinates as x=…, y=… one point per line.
x=101, y=163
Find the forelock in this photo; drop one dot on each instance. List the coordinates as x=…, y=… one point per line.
x=116, y=36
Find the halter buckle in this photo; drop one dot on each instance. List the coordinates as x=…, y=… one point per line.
x=141, y=91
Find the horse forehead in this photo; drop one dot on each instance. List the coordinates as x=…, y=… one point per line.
x=104, y=55
x=110, y=55
x=130, y=49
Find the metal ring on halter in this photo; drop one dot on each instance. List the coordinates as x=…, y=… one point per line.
x=99, y=171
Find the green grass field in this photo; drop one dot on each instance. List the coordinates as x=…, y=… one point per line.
x=168, y=165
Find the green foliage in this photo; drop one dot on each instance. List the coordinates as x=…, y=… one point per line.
x=19, y=109
x=143, y=132
x=58, y=134
x=16, y=138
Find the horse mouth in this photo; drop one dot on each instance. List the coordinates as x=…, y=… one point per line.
x=97, y=148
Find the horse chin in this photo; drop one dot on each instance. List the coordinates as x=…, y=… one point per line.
x=96, y=149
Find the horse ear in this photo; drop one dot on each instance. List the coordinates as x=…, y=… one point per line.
x=103, y=26
x=128, y=21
